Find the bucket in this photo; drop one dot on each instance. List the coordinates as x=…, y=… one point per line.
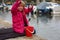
x=29, y=31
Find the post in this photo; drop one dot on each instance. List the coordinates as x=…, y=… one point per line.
x=53, y=0
x=3, y=6
x=11, y=1
x=37, y=2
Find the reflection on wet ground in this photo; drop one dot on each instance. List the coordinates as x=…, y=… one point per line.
x=47, y=26
x=44, y=19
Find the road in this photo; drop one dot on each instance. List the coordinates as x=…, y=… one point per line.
x=47, y=27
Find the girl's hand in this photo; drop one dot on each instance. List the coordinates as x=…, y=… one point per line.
x=30, y=6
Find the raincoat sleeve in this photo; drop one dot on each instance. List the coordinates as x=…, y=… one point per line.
x=14, y=7
x=27, y=10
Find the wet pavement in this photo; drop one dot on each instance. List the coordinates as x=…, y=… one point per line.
x=47, y=27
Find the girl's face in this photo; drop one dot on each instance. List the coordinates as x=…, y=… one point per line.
x=20, y=8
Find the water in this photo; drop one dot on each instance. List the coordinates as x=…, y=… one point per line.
x=47, y=27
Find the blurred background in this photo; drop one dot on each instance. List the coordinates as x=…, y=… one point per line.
x=45, y=17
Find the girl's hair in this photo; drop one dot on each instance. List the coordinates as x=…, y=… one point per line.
x=22, y=3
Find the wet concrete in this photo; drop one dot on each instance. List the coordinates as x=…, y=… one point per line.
x=7, y=34
x=47, y=27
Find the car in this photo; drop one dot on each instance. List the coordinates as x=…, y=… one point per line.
x=54, y=6
x=1, y=6
x=46, y=7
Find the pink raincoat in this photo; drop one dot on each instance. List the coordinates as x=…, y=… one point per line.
x=18, y=18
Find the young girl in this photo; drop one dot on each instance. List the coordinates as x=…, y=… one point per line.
x=19, y=20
